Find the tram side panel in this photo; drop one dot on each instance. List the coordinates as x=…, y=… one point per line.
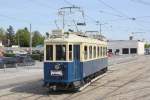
x=93, y=66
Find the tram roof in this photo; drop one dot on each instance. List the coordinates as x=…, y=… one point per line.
x=73, y=38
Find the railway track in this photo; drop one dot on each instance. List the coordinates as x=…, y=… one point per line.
x=110, y=81
x=75, y=95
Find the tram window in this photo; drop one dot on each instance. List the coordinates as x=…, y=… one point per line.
x=90, y=52
x=94, y=52
x=98, y=52
x=105, y=51
x=101, y=51
x=85, y=52
x=49, y=52
x=60, y=52
x=70, y=52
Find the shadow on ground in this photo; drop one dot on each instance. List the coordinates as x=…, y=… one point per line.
x=35, y=87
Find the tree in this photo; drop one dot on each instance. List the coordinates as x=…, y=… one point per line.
x=37, y=38
x=47, y=34
x=147, y=45
x=10, y=35
x=23, y=37
x=2, y=34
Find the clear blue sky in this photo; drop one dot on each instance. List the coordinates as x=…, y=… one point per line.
x=117, y=13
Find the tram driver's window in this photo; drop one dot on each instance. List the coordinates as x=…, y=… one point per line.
x=49, y=52
x=85, y=52
x=70, y=52
x=61, y=52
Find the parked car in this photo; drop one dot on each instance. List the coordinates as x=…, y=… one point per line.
x=9, y=62
x=24, y=60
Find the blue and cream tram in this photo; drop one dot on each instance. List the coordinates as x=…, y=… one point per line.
x=71, y=60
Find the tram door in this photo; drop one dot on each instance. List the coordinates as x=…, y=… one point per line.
x=77, y=68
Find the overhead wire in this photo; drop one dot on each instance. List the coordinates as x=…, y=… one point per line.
x=106, y=12
x=141, y=2
x=122, y=14
x=69, y=3
x=112, y=8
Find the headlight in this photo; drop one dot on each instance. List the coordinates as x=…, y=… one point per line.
x=57, y=66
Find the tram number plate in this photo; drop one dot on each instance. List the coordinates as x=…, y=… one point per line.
x=56, y=73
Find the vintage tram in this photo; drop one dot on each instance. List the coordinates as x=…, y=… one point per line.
x=72, y=60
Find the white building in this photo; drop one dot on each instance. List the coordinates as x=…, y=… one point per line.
x=126, y=47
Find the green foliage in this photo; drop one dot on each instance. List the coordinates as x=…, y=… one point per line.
x=9, y=55
x=47, y=34
x=39, y=57
x=23, y=37
x=10, y=35
x=147, y=45
x=2, y=34
x=37, y=38
x=66, y=33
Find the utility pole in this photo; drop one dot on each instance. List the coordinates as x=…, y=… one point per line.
x=100, y=26
x=30, y=39
x=18, y=40
x=63, y=21
x=100, y=29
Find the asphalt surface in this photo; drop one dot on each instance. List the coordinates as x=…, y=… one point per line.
x=128, y=78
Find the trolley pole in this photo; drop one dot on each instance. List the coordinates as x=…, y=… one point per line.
x=30, y=39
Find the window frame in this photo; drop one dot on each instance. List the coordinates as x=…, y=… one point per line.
x=54, y=52
x=69, y=52
x=46, y=52
x=90, y=52
x=133, y=49
x=94, y=52
x=86, y=53
x=98, y=53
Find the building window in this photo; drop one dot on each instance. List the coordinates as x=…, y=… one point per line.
x=61, y=52
x=49, y=52
x=133, y=50
x=98, y=53
x=85, y=52
x=94, y=51
x=117, y=51
x=125, y=51
x=90, y=52
x=70, y=52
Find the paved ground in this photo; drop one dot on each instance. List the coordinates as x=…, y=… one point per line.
x=128, y=78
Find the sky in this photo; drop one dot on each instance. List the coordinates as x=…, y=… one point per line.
x=119, y=18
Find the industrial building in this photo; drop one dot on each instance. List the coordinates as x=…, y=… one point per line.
x=120, y=47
